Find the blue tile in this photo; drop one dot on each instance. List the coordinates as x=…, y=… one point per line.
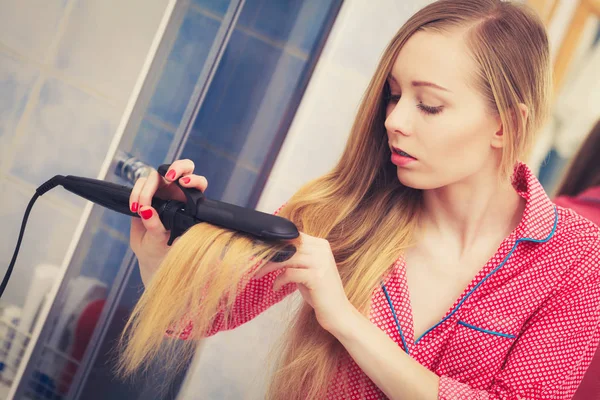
x=16, y=80
x=272, y=18
x=218, y=7
x=104, y=257
x=69, y=133
x=183, y=67
x=221, y=172
x=296, y=22
x=116, y=221
x=152, y=143
x=309, y=24
x=249, y=95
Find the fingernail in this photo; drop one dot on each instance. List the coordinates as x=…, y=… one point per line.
x=186, y=180
x=134, y=207
x=171, y=175
x=146, y=214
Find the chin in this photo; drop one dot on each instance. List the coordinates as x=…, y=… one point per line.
x=416, y=180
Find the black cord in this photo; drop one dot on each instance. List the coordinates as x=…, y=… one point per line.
x=14, y=257
x=52, y=183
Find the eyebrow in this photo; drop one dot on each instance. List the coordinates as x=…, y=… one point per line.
x=421, y=83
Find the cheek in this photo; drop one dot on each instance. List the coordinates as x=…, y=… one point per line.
x=451, y=152
x=465, y=135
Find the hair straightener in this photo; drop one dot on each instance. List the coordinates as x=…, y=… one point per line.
x=176, y=216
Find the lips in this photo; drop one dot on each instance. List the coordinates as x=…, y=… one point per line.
x=401, y=152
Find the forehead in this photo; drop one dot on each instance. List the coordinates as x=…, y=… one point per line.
x=441, y=58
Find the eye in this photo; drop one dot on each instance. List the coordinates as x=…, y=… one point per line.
x=429, y=109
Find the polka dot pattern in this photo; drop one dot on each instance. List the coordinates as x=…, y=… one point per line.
x=526, y=327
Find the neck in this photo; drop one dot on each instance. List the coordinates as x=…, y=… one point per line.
x=481, y=207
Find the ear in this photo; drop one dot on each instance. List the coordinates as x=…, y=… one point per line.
x=499, y=139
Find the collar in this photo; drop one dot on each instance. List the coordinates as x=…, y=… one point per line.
x=540, y=217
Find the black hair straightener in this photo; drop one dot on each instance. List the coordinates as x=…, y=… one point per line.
x=175, y=215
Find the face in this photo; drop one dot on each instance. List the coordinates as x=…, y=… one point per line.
x=436, y=115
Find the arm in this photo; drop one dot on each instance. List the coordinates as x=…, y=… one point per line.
x=381, y=359
x=548, y=360
x=256, y=297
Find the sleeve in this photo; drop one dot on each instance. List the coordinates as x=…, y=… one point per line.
x=551, y=356
x=256, y=297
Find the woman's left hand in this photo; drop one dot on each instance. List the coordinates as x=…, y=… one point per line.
x=315, y=272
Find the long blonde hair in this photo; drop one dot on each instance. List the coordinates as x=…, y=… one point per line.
x=360, y=207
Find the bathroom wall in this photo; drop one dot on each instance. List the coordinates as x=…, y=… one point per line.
x=67, y=68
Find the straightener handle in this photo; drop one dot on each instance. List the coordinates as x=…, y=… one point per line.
x=192, y=196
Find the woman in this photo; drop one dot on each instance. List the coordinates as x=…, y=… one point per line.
x=432, y=264
x=580, y=191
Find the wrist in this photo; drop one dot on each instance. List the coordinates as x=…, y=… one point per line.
x=346, y=323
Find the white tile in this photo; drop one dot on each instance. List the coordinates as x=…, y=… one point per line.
x=275, y=194
x=16, y=80
x=320, y=133
x=106, y=42
x=29, y=26
x=47, y=236
x=367, y=28
x=69, y=133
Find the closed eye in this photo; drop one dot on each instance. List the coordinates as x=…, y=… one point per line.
x=429, y=109
x=423, y=107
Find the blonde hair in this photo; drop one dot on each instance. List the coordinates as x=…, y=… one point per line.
x=360, y=207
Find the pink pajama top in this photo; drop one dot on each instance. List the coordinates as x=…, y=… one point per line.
x=526, y=326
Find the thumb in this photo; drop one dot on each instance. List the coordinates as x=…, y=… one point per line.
x=155, y=230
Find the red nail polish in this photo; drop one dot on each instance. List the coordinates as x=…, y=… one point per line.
x=134, y=207
x=186, y=180
x=171, y=175
x=146, y=214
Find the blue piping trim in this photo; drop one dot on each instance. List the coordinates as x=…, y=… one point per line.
x=395, y=318
x=494, y=270
x=506, y=335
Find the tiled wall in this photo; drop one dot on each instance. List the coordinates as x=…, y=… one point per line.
x=67, y=68
x=232, y=364
x=261, y=70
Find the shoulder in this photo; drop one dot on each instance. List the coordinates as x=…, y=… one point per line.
x=576, y=244
x=571, y=226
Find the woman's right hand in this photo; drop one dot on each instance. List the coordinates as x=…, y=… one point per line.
x=148, y=236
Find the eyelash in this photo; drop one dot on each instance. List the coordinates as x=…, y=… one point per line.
x=423, y=107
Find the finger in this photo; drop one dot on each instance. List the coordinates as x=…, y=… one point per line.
x=292, y=275
x=194, y=181
x=311, y=241
x=134, y=197
x=153, y=181
x=267, y=269
x=179, y=168
x=296, y=261
x=136, y=232
x=154, y=227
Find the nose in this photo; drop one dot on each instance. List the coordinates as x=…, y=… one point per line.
x=398, y=119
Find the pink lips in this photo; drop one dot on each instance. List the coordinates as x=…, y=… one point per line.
x=400, y=157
